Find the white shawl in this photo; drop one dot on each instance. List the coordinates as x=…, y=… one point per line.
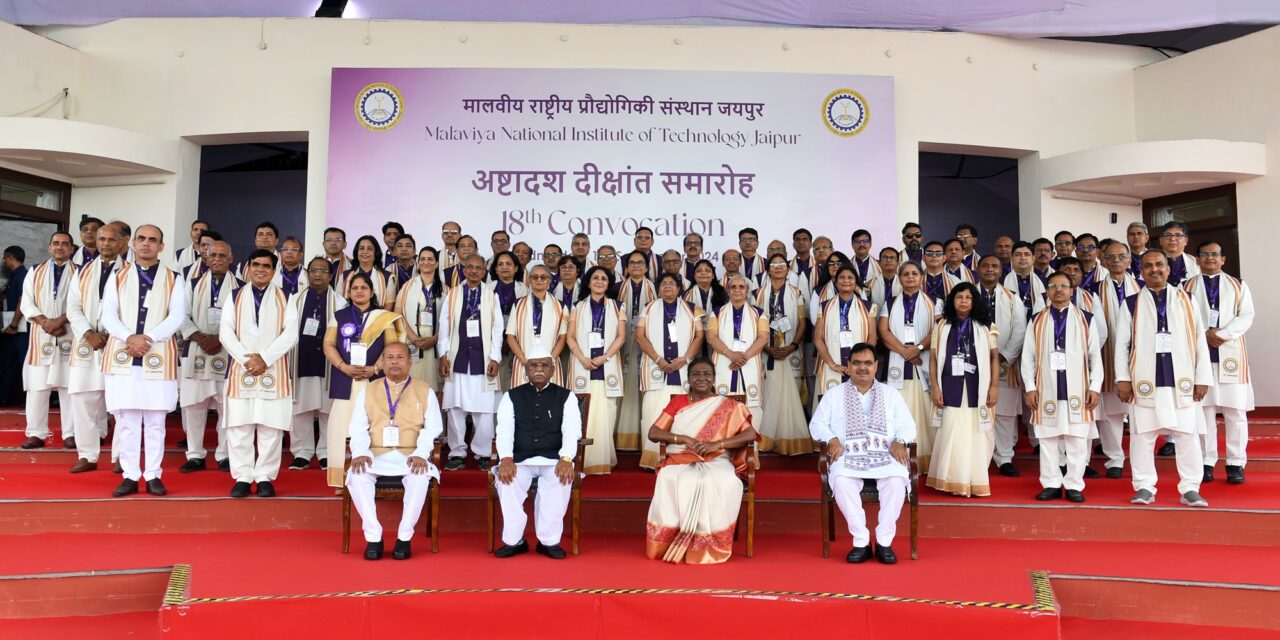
x=752, y=373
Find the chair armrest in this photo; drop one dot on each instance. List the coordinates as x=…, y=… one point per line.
x=662, y=453
x=753, y=461
x=436, y=447
x=913, y=469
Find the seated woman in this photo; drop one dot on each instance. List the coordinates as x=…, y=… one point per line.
x=698, y=493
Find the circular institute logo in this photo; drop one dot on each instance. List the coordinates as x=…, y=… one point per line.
x=379, y=106
x=84, y=351
x=154, y=361
x=267, y=381
x=1145, y=388
x=1231, y=365
x=845, y=112
x=1185, y=385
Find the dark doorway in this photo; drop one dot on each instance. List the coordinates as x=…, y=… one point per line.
x=242, y=185
x=963, y=188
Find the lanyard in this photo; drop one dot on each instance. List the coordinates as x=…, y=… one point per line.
x=472, y=307
x=844, y=313
x=57, y=277
x=215, y=287
x=737, y=321
x=537, y=315
x=597, y=316
x=1060, y=330
x=393, y=404
x=1211, y=290
x=290, y=283
x=146, y=277
x=962, y=339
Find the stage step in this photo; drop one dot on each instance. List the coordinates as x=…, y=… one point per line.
x=1217, y=604
x=1074, y=628
x=136, y=625
x=86, y=593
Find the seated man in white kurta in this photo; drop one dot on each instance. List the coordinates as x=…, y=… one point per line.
x=258, y=330
x=538, y=429
x=394, y=423
x=1062, y=374
x=867, y=427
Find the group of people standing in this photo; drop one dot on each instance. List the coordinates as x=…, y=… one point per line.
x=1071, y=338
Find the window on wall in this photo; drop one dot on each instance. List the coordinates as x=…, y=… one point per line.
x=27, y=197
x=1210, y=215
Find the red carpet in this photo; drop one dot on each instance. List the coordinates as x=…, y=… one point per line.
x=1083, y=629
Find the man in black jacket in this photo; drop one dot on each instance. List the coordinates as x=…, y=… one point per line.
x=537, y=433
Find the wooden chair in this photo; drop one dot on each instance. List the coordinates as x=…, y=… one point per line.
x=575, y=496
x=391, y=487
x=748, y=486
x=871, y=496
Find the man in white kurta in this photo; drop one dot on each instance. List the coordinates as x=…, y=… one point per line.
x=867, y=427
x=186, y=256
x=86, y=383
x=258, y=330
x=203, y=382
x=471, y=331
x=394, y=424
x=44, y=305
x=1061, y=373
x=1010, y=319
x=539, y=425
x=142, y=311
x=1163, y=369
x=1114, y=290
x=315, y=306
x=1227, y=307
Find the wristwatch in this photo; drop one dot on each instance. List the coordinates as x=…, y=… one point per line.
x=566, y=459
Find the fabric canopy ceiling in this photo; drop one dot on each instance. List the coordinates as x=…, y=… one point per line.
x=1022, y=18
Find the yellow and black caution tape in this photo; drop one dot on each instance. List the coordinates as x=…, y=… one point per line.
x=176, y=593
x=1044, y=595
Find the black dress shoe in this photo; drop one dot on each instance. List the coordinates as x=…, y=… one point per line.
x=1235, y=474
x=324, y=463
x=155, y=487
x=266, y=489
x=194, y=464
x=69, y=443
x=1007, y=469
x=551, y=551
x=1090, y=472
x=182, y=442
x=402, y=550
x=240, y=490
x=224, y=465
x=1166, y=450
x=299, y=464
x=886, y=555
x=127, y=487
x=1114, y=473
x=1208, y=474
x=1052, y=493
x=508, y=550
x=32, y=442
x=1097, y=449
x=373, y=550
x=858, y=555
x=1074, y=496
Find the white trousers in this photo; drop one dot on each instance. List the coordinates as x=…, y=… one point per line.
x=1142, y=456
x=1111, y=433
x=548, y=508
x=302, y=437
x=481, y=440
x=140, y=431
x=89, y=409
x=1006, y=434
x=195, y=420
x=38, y=413
x=247, y=467
x=362, y=487
x=1077, y=454
x=1237, y=436
x=848, y=494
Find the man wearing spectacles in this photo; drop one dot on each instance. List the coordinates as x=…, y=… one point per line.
x=644, y=244
x=1093, y=271
x=752, y=262
x=314, y=307
x=1173, y=241
x=471, y=337
x=335, y=251
x=937, y=282
x=912, y=237
x=1042, y=253
x=1137, y=237
x=289, y=274
x=450, y=233
x=1226, y=305
x=692, y=254
x=1064, y=245
x=1115, y=290
x=967, y=234
x=390, y=231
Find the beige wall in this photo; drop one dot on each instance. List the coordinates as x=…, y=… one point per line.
x=34, y=69
x=1231, y=91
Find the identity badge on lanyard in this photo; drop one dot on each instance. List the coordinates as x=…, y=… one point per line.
x=358, y=350
x=959, y=366
x=311, y=327
x=473, y=316
x=1058, y=357
x=391, y=432
x=1164, y=342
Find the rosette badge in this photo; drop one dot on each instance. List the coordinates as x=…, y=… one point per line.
x=845, y=112
x=379, y=106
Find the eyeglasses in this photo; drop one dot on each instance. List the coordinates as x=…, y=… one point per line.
x=540, y=276
x=447, y=232
x=552, y=255
x=750, y=241
x=913, y=236
x=1210, y=254
x=645, y=237
x=334, y=239
x=605, y=256
x=288, y=250
x=963, y=236
x=1063, y=243
x=318, y=271
x=1115, y=257
x=702, y=374
x=777, y=265
x=861, y=242
x=1086, y=247
x=1175, y=236
x=1058, y=285
x=935, y=253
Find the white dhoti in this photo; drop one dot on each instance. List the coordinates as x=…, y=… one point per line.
x=466, y=394
x=548, y=508
x=362, y=487
x=40, y=381
x=848, y=494
x=140, y=406
x=651, y=406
